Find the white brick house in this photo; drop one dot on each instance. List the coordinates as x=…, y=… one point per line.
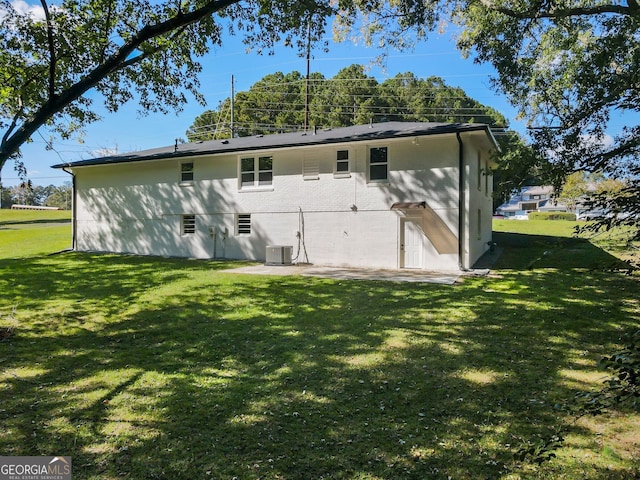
x=389, y=195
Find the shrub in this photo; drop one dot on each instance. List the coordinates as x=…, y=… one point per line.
x=552, y=216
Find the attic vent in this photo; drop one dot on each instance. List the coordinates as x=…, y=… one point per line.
x=310, y=169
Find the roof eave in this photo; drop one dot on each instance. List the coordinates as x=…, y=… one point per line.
x=435, y=129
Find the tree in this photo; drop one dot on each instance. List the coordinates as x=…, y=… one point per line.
x=5, y=197
x=120, y=48
x=415, y=99
x=59, y=196
x=277, y=103
x=574, y=189
x=23, y=194
x=260, y=109
x=569, y=66
x=519, y=165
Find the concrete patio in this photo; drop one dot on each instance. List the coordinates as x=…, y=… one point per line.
x=341, y=273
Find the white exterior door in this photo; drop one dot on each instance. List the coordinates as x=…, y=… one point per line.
x=412, y=244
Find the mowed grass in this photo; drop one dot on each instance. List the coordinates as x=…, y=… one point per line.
x=8, y=216
x=25, y=233
x=162, y=368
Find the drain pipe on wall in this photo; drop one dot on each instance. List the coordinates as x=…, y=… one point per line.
x=461, y=200
x=73, y=208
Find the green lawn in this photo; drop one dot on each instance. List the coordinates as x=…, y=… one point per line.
x=161, y=368
x=25, y=233
x=8, y=216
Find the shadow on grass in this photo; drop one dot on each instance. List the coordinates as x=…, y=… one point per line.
x=157, y=368
x=33, y=222
x=524, y=251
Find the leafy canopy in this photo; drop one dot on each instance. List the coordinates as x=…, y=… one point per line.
x=570, y=66
x=57, y=61
x=276, y=103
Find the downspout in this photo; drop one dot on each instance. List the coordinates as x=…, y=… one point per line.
x=461, y=200
x=73, y=208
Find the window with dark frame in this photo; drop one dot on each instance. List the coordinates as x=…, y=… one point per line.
x=342, y=161
x=378, y=164
x=265, y=170
x=256, y=171
x=486, y=178
x=188, y=224
x=243, y=225
x=186, y=172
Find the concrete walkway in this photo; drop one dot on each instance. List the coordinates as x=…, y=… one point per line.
x=340, y=273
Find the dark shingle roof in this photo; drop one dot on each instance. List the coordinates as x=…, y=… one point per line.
x=374, y=131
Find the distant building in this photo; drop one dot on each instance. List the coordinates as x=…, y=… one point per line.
x=530, y=199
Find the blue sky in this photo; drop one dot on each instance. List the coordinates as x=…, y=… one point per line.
x=127, y=131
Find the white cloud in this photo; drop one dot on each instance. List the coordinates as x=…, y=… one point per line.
x=23, y=8
x=596, y=142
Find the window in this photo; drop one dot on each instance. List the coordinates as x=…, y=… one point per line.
x=479, y=172
x=486, y=178
x=243, y=224
x=256, y=172
x=342, y=162
x=186, y=172
x=378, y=164
x=188, y=224
x=479, y=224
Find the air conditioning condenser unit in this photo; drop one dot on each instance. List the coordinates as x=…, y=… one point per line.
x=278, y=255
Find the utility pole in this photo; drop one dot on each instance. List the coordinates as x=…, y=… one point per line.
x=233, y=96
x=306, y=100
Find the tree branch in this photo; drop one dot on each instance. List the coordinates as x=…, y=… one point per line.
x=14, y=122
x=149, y=52
x=113, y=63
x=52, y=50
x=107, y=28
x=632, y=9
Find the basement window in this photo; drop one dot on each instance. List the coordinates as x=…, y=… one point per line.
x=188, y=224
x=243, y=224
